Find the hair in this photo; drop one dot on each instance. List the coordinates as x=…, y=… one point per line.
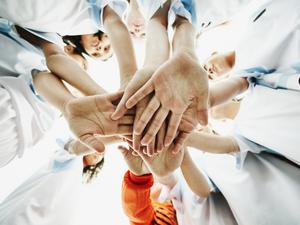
x=90, y=173
x=75, y=41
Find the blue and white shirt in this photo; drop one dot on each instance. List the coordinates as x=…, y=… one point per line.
x=72, y=17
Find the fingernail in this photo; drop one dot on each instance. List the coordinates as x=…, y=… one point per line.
x=167, y=142
x=113, y=116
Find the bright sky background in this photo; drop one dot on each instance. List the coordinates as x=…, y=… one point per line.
x=100, y=202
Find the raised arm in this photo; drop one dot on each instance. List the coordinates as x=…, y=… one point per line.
x=212, y=143
x=157, y=52
x=62, y=65
x=68, y=70
x=194, y=177
x=52, y=89
x=179, y=84
x=222, y=91
x=121, y=43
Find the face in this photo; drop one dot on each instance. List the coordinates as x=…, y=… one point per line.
x=82, y=62
x=217, y=65
x=136, y=22
x=93, y=159
x=96, y=48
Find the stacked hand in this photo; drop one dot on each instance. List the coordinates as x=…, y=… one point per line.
x=138, y=80
x=161, y=164
x=178, y=90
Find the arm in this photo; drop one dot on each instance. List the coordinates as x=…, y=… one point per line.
x=225, y=90
x=45, y=83
x=157, y=52
x=121, y=43
x=170, y=180
x=212, y=143
x=136, y=200
x=62, y=65
x=194, y=177
x=184, y=40
x=157, y=42
x=68, y=70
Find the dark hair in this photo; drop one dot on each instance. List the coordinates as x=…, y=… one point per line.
x=91, y=172
x=75, y=41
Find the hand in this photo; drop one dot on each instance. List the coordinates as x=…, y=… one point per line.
x=138, y=80
x=178, y=84
x=163, y=163
x=90, y=116
x=135, y=163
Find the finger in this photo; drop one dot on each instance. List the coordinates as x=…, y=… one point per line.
x=179, y=141
x=150, y=148
x=147, y=115
x=121, y=108
x=124, y=130
x=144, y=150
x=92, y=142
x=172, y=128
x=135, y=153
x=126, y=120
x=127, y=137
x=124, y=150
x=155, y=125
x=160, y=138
x=78, y=148
x=139, y=111
x=140, y=94
x=137, y=142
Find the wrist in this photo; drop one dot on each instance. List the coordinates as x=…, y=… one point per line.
x=140, y=178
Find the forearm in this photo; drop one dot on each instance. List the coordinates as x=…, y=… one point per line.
x=136, y=198
x=170, y=181
x=52, y=89
x=121, y=43
x=225, y=90
x=68, y=70
x=212, y=143
x=195, y=179
x=157, y=42
x=184, y=40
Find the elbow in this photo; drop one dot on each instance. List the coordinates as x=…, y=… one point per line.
x=202, y=193
x=38, y=80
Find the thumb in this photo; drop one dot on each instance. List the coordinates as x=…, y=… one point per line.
x=78, y=148
x=92, y=142
x=121, y=107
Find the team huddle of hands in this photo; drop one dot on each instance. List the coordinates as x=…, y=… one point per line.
x=155, y=110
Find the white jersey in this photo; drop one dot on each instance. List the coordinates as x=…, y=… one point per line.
x=271, y=118
x=25, y=116
x=70, y=17
x=214, y=12
x=193, y=210
x=268, y=33
x=48, y=197
x=266, y=191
